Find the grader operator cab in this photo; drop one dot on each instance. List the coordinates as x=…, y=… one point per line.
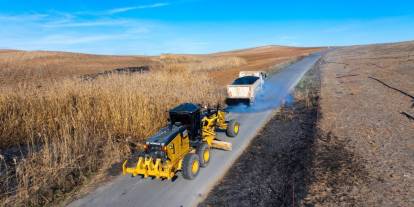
x=184, y=144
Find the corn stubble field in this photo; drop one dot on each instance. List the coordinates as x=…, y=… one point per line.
x=57, y=130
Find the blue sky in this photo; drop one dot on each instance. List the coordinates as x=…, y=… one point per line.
x=145, y=27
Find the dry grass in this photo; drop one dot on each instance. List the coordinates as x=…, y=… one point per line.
x=308, y=89
x=217, y=63
x=71, y=129
x=173, y=58
x=38, y=66
x=202, y=62
x=267, y=58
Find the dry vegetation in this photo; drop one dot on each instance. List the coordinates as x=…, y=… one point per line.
x=72, y=128
x=364, y=154
x=57, y=130
x=269, y=58
x=203, y=63
x=37, y=66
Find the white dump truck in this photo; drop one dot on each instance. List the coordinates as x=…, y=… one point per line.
x=245, y=88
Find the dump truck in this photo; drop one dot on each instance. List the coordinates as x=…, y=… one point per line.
x=245, y=88
x=184, y=144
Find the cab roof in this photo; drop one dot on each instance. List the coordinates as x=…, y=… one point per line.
x=185, y=108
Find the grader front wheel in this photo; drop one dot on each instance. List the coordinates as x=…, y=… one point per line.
x=203, y=152
x=233, y=128
x=191, y=166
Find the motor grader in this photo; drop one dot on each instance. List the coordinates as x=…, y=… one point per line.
x=184, y=144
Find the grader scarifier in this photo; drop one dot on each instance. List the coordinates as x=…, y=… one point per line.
x=184, y=144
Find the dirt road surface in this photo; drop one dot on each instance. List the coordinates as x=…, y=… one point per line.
x=134, y=191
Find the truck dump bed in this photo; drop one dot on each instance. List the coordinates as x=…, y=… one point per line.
x=244, y=88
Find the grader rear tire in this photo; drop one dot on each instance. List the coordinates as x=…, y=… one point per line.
x=203, y=152
x=232, y=128
x=191, y=166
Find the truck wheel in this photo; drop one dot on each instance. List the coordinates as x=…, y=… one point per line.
x=251, y=101
x=233, y=128
x=203, y=152
x=191, y=166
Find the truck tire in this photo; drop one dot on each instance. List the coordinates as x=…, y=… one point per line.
x=191, y=166
x=232, y=128
x=251, y=101
x=203, y=152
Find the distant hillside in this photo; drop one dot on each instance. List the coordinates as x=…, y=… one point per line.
x=22, y=66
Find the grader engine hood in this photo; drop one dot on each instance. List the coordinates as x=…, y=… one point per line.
x=164, y=135
x=155, y=145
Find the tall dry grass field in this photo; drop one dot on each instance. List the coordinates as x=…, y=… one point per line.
x=217, y=63
x=69, y=129
x=201, y=62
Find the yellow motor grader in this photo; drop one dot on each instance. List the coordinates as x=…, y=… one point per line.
x=184, y=144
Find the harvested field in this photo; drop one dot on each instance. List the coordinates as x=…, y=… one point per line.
x=365, y=92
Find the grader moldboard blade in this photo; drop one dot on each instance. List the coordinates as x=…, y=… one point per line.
x=221, y=145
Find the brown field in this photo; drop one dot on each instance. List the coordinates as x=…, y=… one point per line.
x=23, y=67
x=56, y=130
x=37, y=66
x=364, y=154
